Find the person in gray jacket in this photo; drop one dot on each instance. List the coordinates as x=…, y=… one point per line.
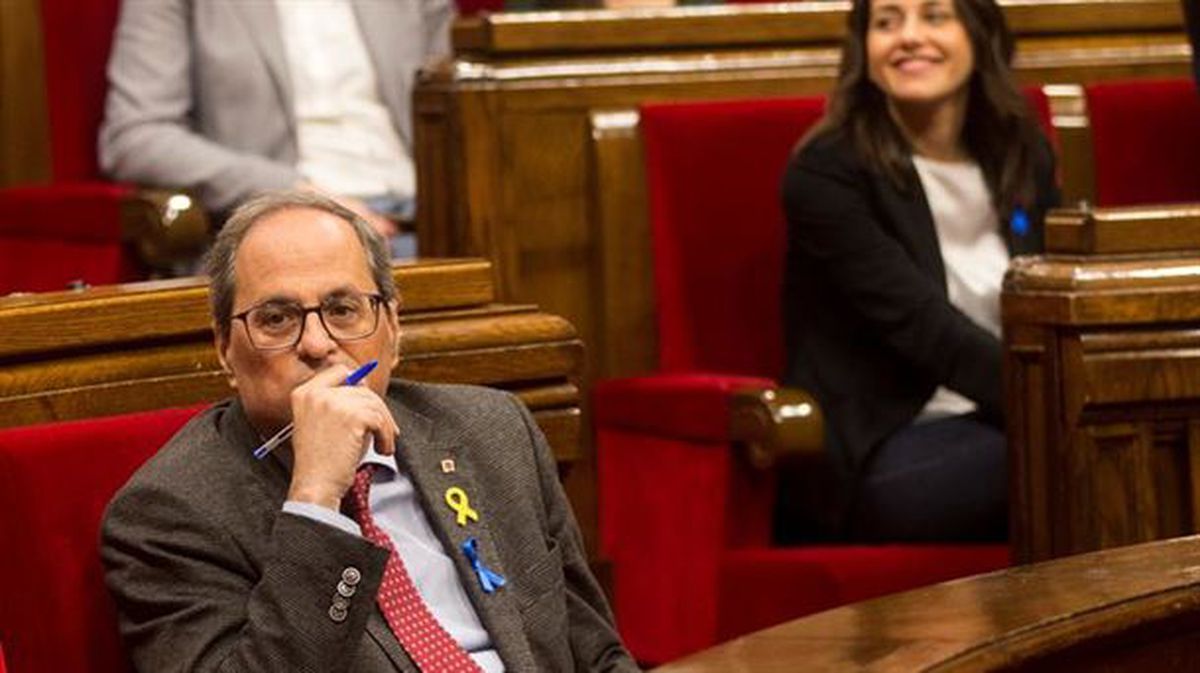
x=230, y=99
x=403, y=527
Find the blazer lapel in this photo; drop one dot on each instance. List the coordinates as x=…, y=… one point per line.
x=378, y=627
x=421, y=456
x=262, y=25
x=913, y=226
x=382, y=28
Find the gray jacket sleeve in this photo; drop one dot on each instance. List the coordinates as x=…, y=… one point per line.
x=148, y=135
x=595, y=645
x=191, y=602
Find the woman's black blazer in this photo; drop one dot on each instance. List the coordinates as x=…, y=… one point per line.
x=868, y=327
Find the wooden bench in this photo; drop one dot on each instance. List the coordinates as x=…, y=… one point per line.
x=1102, y=368
x=1131, y=609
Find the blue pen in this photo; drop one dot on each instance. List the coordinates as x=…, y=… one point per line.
x=283, y=435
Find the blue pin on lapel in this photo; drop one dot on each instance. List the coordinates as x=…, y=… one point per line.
x=1019, y=222
x=489, y=580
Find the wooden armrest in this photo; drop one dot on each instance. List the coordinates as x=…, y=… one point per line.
x=165, y=227
x=1151, y=228
x=1133, y=608
x=775, y=424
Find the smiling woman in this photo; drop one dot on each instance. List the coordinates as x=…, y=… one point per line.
x=904, y=205
x=918, y=53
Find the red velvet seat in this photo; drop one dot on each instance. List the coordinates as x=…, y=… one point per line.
x=79, y=227
x=68, y=230
x=55, y=480
x=1145, y=141
x=684, y=519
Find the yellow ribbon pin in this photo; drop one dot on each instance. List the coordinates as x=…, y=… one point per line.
x=457, y=499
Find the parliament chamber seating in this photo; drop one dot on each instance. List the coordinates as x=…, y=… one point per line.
x=55, y=481
x=78, y=227
x=685, y=515
x=93, y=381
x=1145, y=141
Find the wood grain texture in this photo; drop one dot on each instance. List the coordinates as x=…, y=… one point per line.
x=1131, y=609
x=1102, y=368
x=766, y=25
x=24, y=125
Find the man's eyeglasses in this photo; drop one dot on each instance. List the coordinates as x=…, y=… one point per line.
x=279, y=325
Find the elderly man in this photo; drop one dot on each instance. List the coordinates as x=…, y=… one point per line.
x=404, y=526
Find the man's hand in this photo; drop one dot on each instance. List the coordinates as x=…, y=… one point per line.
x=333, y=423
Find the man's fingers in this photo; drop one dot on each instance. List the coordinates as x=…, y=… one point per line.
x=331, y=376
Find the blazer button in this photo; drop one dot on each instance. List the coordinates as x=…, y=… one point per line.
x=346, y=590
x=340, y=603
x=351, y=576
x=338, y=615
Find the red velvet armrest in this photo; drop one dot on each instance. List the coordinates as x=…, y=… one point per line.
x=684, y=406
x=676, y=494
x=95, y=232
x=696, y=406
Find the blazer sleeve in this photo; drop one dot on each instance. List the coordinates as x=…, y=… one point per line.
x=832, y=224
x=147, y=135
x=191, y=600
x=595, y=645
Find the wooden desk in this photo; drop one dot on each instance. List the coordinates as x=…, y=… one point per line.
x=503, y=141
x=121, y=348
x=1102, y=369
x=1130, y=609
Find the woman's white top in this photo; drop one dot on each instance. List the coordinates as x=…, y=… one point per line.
x=973, y=252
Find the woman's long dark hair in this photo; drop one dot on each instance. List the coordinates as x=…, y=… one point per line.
x=999, y=132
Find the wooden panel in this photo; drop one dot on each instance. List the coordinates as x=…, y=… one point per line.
x=773, y=24
x=1130, y=609
x=1114, y=361
x=24, y=131
x=1104, y=446
x=624, y=270
x=1117, y=230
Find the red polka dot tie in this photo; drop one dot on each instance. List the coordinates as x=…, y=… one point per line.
x=418, y=631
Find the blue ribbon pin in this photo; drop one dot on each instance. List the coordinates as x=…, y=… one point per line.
x=488, y=579
x=1019, y=222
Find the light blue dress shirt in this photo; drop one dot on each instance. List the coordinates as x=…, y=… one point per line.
x=395, y=508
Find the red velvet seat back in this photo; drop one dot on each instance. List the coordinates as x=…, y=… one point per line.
x=55, y=480
x=77, y=38
x=713, y=174
x=1145, y=141
x=69, y=230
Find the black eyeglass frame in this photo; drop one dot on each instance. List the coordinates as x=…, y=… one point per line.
x=375, y=300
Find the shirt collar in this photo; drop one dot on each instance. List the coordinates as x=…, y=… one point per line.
x=373, y=457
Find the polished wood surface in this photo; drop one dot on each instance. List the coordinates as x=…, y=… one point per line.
x=24, y=125
x=1135, y=609
x=514, y=135
x=1102, y=368
x=114, y=349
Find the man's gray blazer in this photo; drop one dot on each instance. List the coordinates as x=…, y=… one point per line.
x=210, y=575
x=200, y=94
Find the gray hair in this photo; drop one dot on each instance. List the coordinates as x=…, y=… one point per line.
x=219, y=263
